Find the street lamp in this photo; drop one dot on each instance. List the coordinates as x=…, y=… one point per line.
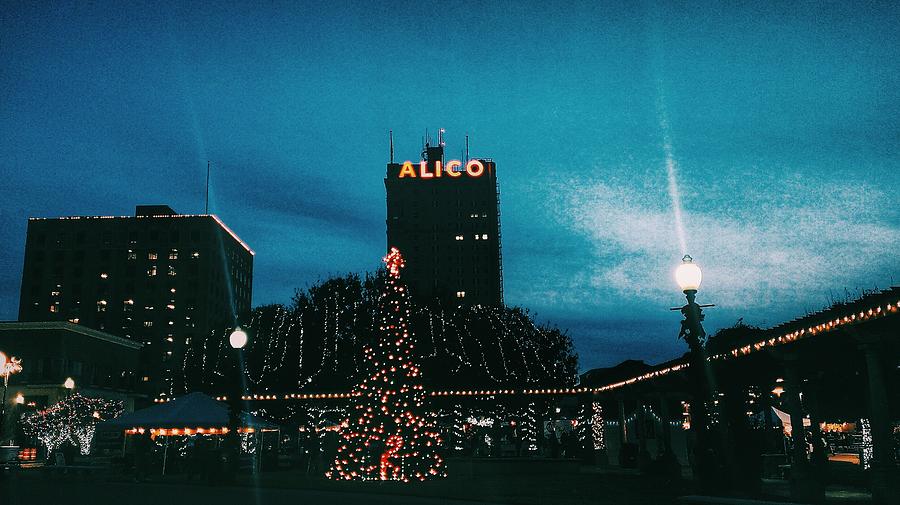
x=238, y=338
x=69, y=384
x=688, y=276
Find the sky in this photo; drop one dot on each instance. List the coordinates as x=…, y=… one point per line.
x=769, y=131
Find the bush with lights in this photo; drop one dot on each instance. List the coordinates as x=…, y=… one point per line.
x=389, y=434
x=73, y=419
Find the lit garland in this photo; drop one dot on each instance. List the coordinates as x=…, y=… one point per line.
x=389, y=435
x=866, y=453
x=72, y=419
x=597, y=426
x=530, y=428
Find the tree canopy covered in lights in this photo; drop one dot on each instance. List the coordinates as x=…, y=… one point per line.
x=389, y=433
x=315, y=343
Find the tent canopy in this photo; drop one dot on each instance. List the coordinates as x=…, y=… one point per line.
x=188, y=411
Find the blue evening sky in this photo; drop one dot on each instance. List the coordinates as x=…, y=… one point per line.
x=774, y=125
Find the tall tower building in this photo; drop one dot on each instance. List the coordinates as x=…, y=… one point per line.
x=158, y=277
x=444, y=216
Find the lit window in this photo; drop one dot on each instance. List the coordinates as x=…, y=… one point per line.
x=151, y=255
x=484, y=236
x=170, y=339
x=172, y=290
x=148, y=324
x=172, y=272
x=170, y=306
x=54, y=308
x=74, y=320
x=101, y=306
x=195, y=254
x=145, y=378
x=104, y=276
x=151, y=272
x=171, y=323
x=132, y=255
x=55, y=292
x=459, y=237
x=460, y=294
x=477, y=236
x=173, y=254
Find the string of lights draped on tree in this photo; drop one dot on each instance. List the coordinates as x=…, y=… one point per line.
x=389, y=434
x=315, y=344
x=73, y=419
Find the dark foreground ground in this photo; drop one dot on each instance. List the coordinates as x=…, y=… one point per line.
x=36, y=487
x=608, y=487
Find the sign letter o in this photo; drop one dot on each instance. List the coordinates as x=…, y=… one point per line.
x=474, y=168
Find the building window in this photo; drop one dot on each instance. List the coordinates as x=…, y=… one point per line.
x=101, y=306
x=151, y=272
x=477, y=236
x=172, y=272
x=484, y=236
x=132, y=255
x=104, y=275
x=173, y=254
x=459, y=237
x=460, y=294
x=54, y=308
x=148, y=324
x=151, y=255
x=195, y=254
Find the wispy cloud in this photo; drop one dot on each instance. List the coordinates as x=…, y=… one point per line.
x=786, y=242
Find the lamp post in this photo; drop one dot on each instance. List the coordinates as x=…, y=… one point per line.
x=237, y=340
x=8, y=366
x=688, y=276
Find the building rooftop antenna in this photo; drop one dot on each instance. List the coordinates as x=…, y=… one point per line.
x=441, y=137
x=207, y=187
x=467, y=148
x=391, y=133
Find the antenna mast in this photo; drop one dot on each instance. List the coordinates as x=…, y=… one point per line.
x=392, y=146
x=207, y=187
x=467, y=148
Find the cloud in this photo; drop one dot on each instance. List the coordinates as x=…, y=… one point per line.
x=761, y=244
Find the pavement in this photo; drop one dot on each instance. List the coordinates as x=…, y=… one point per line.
x=72, y=490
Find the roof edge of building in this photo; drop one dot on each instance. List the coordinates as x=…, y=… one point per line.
x=66, y=325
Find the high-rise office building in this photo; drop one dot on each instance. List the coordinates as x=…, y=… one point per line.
x=158, y=277
x=444, y=216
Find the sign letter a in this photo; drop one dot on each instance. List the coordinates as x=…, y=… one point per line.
x=407, y=170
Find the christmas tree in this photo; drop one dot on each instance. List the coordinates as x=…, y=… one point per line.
x=389, y=434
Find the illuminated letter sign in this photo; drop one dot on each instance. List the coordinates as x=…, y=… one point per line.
x=407, y=170
x=474, y=168
x=453, y=168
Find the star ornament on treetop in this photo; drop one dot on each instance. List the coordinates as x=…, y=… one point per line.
x=394, y=261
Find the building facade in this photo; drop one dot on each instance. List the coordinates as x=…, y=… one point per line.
x=444, y=216
x=100, y=364
x=159, y=278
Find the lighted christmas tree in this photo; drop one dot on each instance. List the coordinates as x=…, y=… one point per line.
x=389, y=434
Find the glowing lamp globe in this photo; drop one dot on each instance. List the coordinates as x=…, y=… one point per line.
x=688, y=274
x=2, y=360
x=69, y=383
x=20, y=399
x=238, y=338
